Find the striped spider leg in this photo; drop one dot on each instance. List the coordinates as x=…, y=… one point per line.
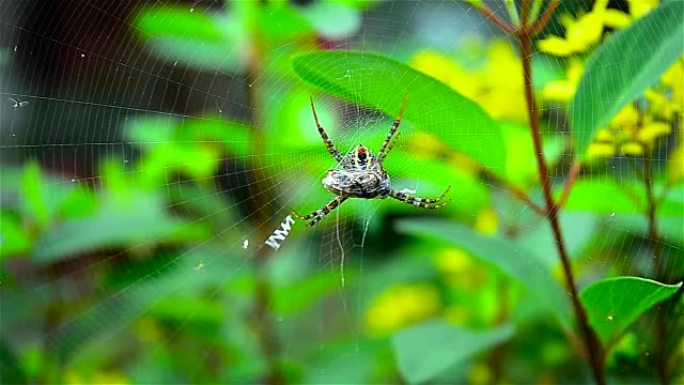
x=328, y=143
x=322, y=212
x=425, y=203
x=384, y=149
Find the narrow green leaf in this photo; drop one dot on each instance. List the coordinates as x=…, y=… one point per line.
x=380, y=82
x=178, y=22
x=613, y=304
x=426, y=350
x=139, y=219
x=623, y=67
x=511, y=259
x=197, y=39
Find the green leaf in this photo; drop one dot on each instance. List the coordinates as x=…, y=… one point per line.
x=511, y=259
x=14, y=240
x=623, y=67
x=605, y=196
x=290, y=122
x=149, y=131
x=380, y=82
x=426, y=350
x=301, y=294
x=614, y=304
x=178, y=308
x=125, y=222
x=470, y=196
x=331, y=365
x=78, y=203
x=578, y=230
x=169, y=276
x=177, y=22
x=198, y=39
x=670, y=229
x=35, y=195
x=281, y=21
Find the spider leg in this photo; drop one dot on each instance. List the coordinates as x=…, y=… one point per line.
x=426, y=203
x=383, y=149
x=322, y=212
x=328, y=143
x=390, y=147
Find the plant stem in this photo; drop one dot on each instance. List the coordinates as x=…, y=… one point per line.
x=265, y=327
x=661, y=314
x=570, y=181
x=497, y=356
x=592, y=345
x=495, y=19
x=518, y=192
x=545, y=18
x=651, y=214
x=266, y=330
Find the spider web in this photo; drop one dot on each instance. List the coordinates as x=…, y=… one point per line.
x=77, y=81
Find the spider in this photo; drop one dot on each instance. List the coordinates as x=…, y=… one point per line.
x=360, y=174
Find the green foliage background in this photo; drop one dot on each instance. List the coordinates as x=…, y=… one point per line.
x=153, y=268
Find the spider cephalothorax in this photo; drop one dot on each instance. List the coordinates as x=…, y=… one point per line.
x=360, y=174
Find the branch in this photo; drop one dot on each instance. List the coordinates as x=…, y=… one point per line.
x=574, y=172
x=540, y=24
x=517, y=192
x=494, y=18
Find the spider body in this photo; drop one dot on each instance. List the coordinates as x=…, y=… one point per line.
x=359, y=174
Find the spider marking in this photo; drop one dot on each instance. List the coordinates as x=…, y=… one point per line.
x=359, y=174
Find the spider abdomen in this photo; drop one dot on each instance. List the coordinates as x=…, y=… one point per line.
x=373, y=183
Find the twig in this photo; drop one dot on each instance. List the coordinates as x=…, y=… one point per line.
x=660, y=324
x=266, y=329
x=540, y=24
x=495, y=19
x=518, y=192
x=574, y=172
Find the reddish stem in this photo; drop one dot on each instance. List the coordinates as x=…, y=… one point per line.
x=539, y=25
x=574, y=172
x=592, y=345
x=495, y=19
x=518, y=192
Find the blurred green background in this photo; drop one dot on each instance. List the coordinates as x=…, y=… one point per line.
x=150, y=148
